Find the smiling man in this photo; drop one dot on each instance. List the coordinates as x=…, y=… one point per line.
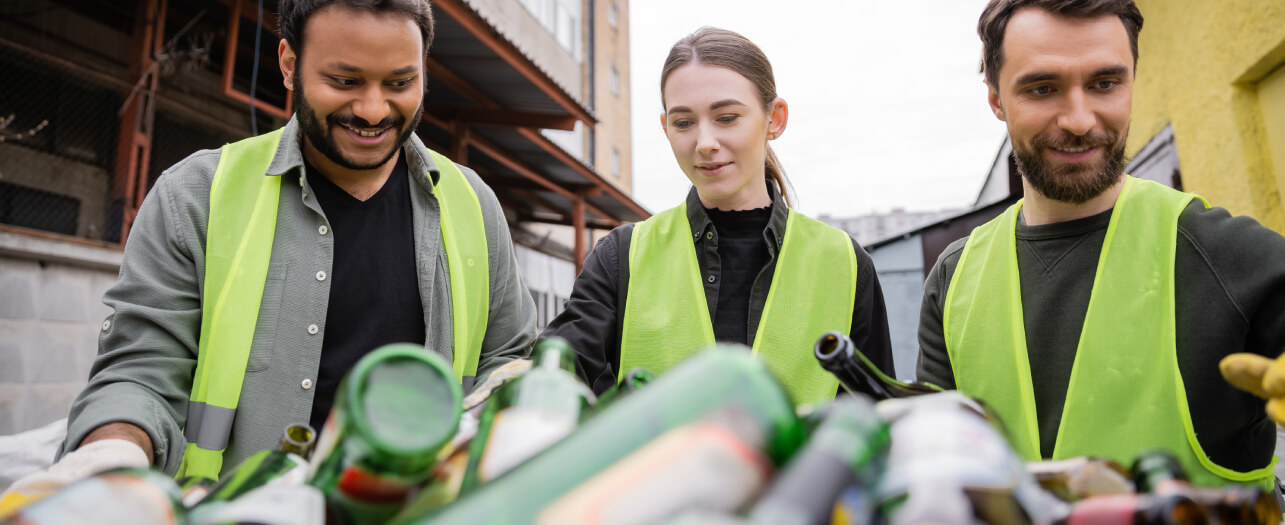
x=319, y=242
x=1092, y=315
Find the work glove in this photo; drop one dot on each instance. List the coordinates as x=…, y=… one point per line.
x=85, y=461
x=1261, y=376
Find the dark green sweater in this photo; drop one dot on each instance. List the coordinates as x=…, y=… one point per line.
x=1230, y=297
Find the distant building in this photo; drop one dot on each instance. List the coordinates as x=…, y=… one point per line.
x=97, y=97
x=874, y=227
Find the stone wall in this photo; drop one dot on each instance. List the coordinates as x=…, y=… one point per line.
x=50, y=313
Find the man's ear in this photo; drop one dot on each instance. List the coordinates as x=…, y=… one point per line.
x=992, y=96
x=288, y=60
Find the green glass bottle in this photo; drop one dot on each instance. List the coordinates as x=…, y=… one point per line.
x=710, y=381
x=287, y=465
x=847, y=449
x=124, y=495
x=633, y=380
x=526, y=415
x=393, y=412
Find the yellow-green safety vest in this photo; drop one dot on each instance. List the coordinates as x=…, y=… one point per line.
x=242, y=221
x=1126, y=392
x=667, y=317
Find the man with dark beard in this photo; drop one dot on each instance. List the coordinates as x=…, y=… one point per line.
x=364, y=237
x=1093, y=314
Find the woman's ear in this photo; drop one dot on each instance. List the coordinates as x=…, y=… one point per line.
x=778, y=115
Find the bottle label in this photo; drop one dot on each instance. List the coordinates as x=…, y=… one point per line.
x=702, y=466
x=519, y=433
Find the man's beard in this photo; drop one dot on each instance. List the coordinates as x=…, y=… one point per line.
x=1071, y=183
x=320, y=137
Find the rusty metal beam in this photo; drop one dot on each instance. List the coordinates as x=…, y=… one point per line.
x=566, y=158
x=134, y=148
x=503, y=157
x=481, y=30
x=577, y=223
x=503, y=117
x=229, y=65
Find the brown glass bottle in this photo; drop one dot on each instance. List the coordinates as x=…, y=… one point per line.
x=1136, y=509
x=857, y=374
x=1159, y=472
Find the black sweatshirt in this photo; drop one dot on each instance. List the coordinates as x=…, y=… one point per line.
x=1229, y=276
x=593, y=316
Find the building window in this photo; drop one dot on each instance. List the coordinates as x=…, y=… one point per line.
x=615, y=162
x=615, y=80
x=562, y=19
x=613, y=15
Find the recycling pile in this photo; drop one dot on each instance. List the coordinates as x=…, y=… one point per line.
x=715, y=440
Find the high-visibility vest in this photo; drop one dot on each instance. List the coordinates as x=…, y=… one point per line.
x=242, y=221
x=667, y=317
x=1126, y=391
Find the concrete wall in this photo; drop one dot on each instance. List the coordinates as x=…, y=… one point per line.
x=85, y=183
x=901, y=274
x=1199, y=68
x=50, y=313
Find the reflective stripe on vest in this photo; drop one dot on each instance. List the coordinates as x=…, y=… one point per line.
x=667, y=317
x=238, y=251
x=1126, y=392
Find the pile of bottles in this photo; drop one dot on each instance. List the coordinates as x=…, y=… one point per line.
x=716, y=440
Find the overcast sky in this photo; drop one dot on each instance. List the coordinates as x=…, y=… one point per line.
x=887, y=108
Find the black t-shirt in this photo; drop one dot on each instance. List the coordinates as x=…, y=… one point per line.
x=374, y=284
x=743, y=253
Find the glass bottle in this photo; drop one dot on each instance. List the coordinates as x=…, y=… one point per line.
x=529, y=413
x=709, y=381
x=837, y=354
x=634, y=379
x=393, y=412
x=1136, y=509
x=1159, y=472
x=124, y=495
x=847, y=449
x=287, y=465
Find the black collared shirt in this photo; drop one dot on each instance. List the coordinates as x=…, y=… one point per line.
x=595, y=312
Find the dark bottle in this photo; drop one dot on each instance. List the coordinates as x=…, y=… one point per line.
x=1136, y=509
x=847, y=449
x=857, y=374
x=708, y=382
x=1159, y=472
x=393, y=412
x=287, y=465
x=529, y=413
x=125, y=495
x=636, y=378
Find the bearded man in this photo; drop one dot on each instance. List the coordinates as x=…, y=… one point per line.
x=373, y=238
x=1092, y=315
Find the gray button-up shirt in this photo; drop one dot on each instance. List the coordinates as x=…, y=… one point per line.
x=147, y=348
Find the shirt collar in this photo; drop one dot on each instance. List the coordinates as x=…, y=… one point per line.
x=700, y=222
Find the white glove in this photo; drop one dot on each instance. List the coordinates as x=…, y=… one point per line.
x=85, y=461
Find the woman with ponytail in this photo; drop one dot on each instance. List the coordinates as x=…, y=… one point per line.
x=734, y=263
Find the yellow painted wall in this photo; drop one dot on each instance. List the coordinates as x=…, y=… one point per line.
x=1202, y=66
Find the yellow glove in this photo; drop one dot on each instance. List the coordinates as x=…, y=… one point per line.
x=1260, y=376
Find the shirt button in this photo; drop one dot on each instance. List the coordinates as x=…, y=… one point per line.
x=312, y=329
x=711, y=278
x=322, y=229
x=709, y=235
x=107, y=325
x=306, y=384
x=321, y=276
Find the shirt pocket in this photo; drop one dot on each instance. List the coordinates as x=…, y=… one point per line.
x=265, y=329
